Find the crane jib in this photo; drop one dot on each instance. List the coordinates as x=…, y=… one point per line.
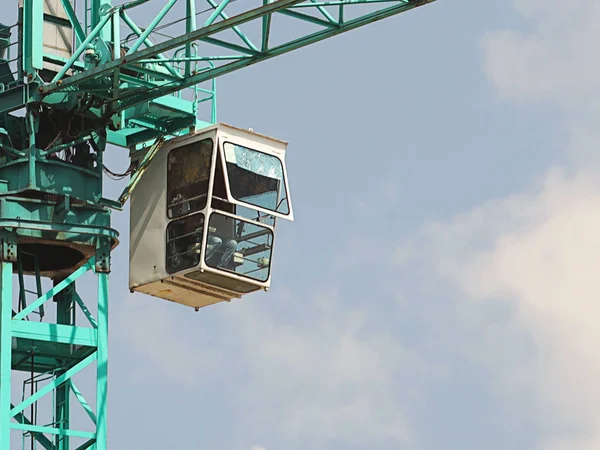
x=251, y=57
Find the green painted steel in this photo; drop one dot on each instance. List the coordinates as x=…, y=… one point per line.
x=84, y=45
x=97, y=10
x=159, y=17
x=32, y=36
x=54, y=338
x=6, y=271
x=162, y=72
x=143, y=37
x=79, y=32
x=135, y=92
x=102, y=364
x=211, y=29
x=130, y=95
x=52, y=430
x=51, y=332
x=66, y=332
x=53, y=384
x=216, y=13
x=54, y=291
x=40, y=438
x=83, y=402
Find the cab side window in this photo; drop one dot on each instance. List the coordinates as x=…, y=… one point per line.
x=188, y=172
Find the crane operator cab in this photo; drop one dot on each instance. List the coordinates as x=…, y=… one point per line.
x=203, y=216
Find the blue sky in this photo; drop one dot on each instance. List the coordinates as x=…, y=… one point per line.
x=438, y=288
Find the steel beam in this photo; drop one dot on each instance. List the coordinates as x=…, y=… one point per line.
x=197, y=35
x=40, y=438
x=102, y=365
x=33, y=37
x=159, y=91
x=52, y=385
x=52, y=337
x=55, y=290
x=5, y=352
x=331, y=27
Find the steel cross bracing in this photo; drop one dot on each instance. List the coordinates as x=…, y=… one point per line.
x=245, y=53
x=230, y=36
x=54, y=352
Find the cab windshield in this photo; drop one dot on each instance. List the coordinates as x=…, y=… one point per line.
x=256, y=178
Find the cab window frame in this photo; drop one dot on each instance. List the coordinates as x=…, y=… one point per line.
x=232, y=199
x=270, y=230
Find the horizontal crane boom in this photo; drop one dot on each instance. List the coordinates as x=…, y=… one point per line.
x=145, y=86
x=157, y=62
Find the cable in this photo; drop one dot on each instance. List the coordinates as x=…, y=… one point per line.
x=166, y=25
x=117, y=176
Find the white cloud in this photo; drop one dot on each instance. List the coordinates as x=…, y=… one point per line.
x=324, y=377
x=154, y=332
x=556, y=61
x=541, y=252
x=331, y=378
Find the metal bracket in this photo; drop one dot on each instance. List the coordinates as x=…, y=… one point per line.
x=103, y=257
x=8, y=251
x=141, y=169
x=61, y=210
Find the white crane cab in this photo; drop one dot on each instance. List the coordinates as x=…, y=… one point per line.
x=203, y=216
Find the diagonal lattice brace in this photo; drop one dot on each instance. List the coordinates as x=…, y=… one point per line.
x=43, y=440
x=52, y=385
x=331, y=25
x=55, y=290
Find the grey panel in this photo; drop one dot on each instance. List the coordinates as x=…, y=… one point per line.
x=58, y=36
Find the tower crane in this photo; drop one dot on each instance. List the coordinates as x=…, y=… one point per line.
x=77, y=77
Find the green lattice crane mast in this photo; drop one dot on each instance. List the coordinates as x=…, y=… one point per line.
x=74, y=79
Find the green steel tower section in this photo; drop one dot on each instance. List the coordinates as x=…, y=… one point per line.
x=72, y=81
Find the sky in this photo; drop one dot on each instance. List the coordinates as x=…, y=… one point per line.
x=438, y=287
